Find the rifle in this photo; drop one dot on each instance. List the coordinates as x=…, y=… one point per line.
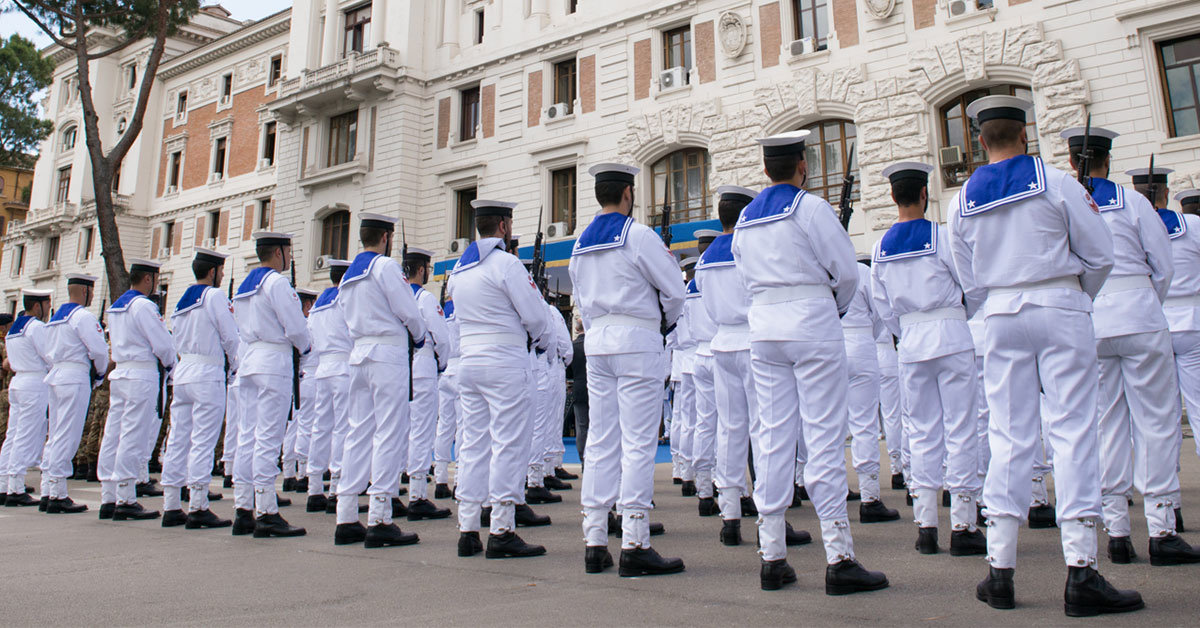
x=663, y=327
x=442, y=298
x=411, y=347
x=295, y=354
x=1152, y=187
x=846, y=210
x=538, y=267
x=95, y=375
x=1085, y=158
x=230, y=301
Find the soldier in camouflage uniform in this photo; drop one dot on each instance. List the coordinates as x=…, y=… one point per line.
x=93, y=431
x=5, y=375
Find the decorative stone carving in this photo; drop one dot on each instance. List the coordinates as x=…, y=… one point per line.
x=880, y=9
x=731, y=30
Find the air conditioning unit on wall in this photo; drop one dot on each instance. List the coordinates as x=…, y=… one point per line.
x=557, y=110
x=557, y=230
x=672, y=78
x=457, y=246
x=808, y=45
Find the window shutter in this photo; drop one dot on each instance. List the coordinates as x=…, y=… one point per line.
x=178, y=243
x=223, y=228
x=199, y=231
x=155, y=242
x=247, y=223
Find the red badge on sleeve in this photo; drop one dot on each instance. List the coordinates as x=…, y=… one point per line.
x=1091, y=202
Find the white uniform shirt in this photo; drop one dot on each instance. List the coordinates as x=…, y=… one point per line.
x=27, y=345
x=787, y=238
x=1009, y=238
x=1182, y=307
x=76, y=346
x=380, y=309
x=453, y=352
x=725, y=295
x=621, y=270
x=685, y=342
x=562, y=351
x=138, y=335
x=330, y=336
x=203, y=315
x=271, y=323
x=700, y=325
x=861, y=313
x=918, y=275
x=437, y=337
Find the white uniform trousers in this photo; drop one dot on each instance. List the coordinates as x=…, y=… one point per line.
x=737, y=428
x=421, y=432
x=68, y=411
x=447, y=426
x=687, y=424
x=940, y=398
x=981, y=427
x=331, y=409
x=862, y=403
x=1139, y=412
x=1055, y=349
x=1043, y=461
x=196, y=412
x=704, y=429
x=556, y=407
x=539, y=401
x=127, y=431
x=151, y=437
x=243, y=460
x=493, y=446
x=232, y=420
x=889, y=402
x=1186, y=345
x=377, y=443
x=266, y=401
x=625, y=391
x=674, y=428
x=299, y=430
x=802, y=392
x=28, y=403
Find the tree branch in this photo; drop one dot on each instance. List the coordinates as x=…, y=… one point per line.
x=130, y=39
x=161, y=26
x=42, y=26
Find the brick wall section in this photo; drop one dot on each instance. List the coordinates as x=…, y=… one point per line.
x=706, y=58
x=247, y=222
x=587, y=84
x=845, y=22
x=923, y=13
x=199, y=240
x=223, y=228
x=769, y=33
x=535, y=98
x=1015, y=2
x=443, y=123
x=642, y=67
x=177, y=244
x=487, y=103
x=244, y=136
x=155, y=241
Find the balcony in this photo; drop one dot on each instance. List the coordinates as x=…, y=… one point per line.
x=54, y=219
x=354, y=170
x=356, y=77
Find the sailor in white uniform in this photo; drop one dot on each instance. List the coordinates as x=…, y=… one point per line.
x=272, y=325
x=556, y=406
x=550, y=370
x=890, y=408
x=538, y=403
x=206, y=340
x=427, y=362
x=1182, y=305
x=704, y=415
x=916, y=291
x=628, y=291
x=142, y=348
x=232, y=421
x=331, y=380
x=1032, y=251
x=299, y=430
x=448, y=405
x=78, y=358
x=385, y=326
x=27, y=345
x=500, y=316
x=684, y=423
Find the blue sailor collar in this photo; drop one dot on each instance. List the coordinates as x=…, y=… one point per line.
x=606, y=231
x=18, y=327
x=252, y=282
x=911, y=238
x=63, y=312
x=325, y=300
x=473, y=255
x=360, y=267
x=416, y=288
x=693, y=290
x=448, y=310
x=1173, y=220
x=774, y=203
x=1108, y=195
x=1008, y=181
x=124, y=301
x=719, y=253
x=191, y=299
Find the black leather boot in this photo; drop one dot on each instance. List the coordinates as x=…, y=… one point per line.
x=243, y=522
x=968, y=543
x=898, y=482
x=563, y=474
x=525, y=517
x=419, y=509
x=1088, y=594
x=65, y=506
x=205, y=519
x=776, y=573
x=442, y=491
x=106, y=510
x=469, y=543
x=853, y=496
x=485, y=516
x=1172, y=550
x=927, y=540
x=317, y=503
x=509, y=545
x=996, y=590
x=980, y=520
x=1120, y=550
x=749, y=509
x=1179, y=529
x=227, y=481
x=797, y=497
x=132, y=512
x=596, y=559
x=540, y=495
x=731, y=532
x=43, y=503
x=793, y=537
x=876, y=512
x=555, y=484
x=688, y=489
x=946, y=499
x=676, y=481
x=399, y=510
x=289, y=485
x=614, y=526
x=93, y=472
x=644, y=561
x=20, y=500
x=707, y=507
x=849, y=577
x=404, y=479
x=274, y=525
x=281, y=501
x=148, y=489
x=1042, y=517
x=302, y=485
x=173, y=518
x=349, y=533
x=388, y=535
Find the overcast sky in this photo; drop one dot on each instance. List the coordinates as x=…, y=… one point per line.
x=242, y=10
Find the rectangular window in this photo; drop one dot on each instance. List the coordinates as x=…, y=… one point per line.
x=343, y=138
x=131, y=76
x=174, y=169
x=168, y=236
x=464, y=222
x=1179, y=62
x=268, y=153
x=564, y=83
x=677, y=49
x=479, y=27
x=218, y=165
x=562, y=197
x=810, y=19
x=227, y=88
x=264, y=214
x=468, y=113
x=358, y=29
x=572, y=6
x=116, y=180
x=89, y=236
x=181, y=105
x=214, y=225
x=276, y=71
x=52, y=252
x=64, y=185
x=19, y=259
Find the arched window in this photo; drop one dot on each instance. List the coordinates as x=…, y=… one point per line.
x=68, y=137
x=685, y=173
x=959, y=130
x=122, y=124
x=827, y=152
x=335, y=234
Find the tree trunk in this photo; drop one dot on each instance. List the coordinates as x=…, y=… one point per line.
x=110, y=237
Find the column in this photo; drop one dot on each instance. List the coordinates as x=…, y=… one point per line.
x=450, y=23
x=331, y=46
x=378, y=23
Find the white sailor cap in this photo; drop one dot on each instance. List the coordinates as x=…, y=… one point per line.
x=306, y=293
x=337, y=263
x=789, y=143
x=688, y=262
x=41, y=295
x=514, y=238
x=377, y=221
x=999, y=108
x=212, y=257
x=703, y=235
x=271, y=238
x=735, y=193
x=1142, y=175
x=143, y=265
x=614, y=172
x=79, y=279
x=504, y=209
x=1097, y=137
x=908, y=170
x=420, y=255
x=1188, y=197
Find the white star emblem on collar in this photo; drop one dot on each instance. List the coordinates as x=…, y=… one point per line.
x=970, y=204
x=1033, y=185
x=1112, y=201
x=926, y=245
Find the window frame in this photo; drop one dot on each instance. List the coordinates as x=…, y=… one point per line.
x=270, y=142
x=70, y=136
x=1161, y=62
x=174, y=170
x=654, y=211
x=19, y=260
x=820, y=40
x=168, y=241
x=831, y=189
x=475, y=102
x=213, y=228
x=480, y=26
x=181, y=104
x=684, y=46
x=571, y=213
x=464, y=214
x=264, y=214
x=226, y=98
x=89, y=242
x=358, y=32
x=62, y=191
x=274, y=71
x=971, y=132
x=336, y=225
x=53, y=247
x=569, y=81
x=342, y=147
x=220, y=157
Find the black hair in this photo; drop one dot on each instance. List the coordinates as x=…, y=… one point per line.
x=200, y=269
x=411, y=266
x=1001, y=133
x=30, y=301
x=371, y=236
x=1191, y=207
x=729, y=211
x=1098, y=156
x=782, y=167
x=487, y=226
x=608, y=193
x=908, y=191
x=265, y=251
x=307, y=298
x=1160, y=191
x=138, y=276
x=336, y=273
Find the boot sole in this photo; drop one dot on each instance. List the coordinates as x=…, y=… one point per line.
x=267, y=535
x=1042, y=525
x=634, y=572
x=731, y=542
x=376, y=544
x=242, y=532
x=337, y=541
x=597, y=568
x=875, y=519
x=1076, y=610
x=206, y=526
x=413, y=517
x=1159, y=561
x=967, y=552
x=775, y=585
x=1124, y=560
x=998, y=604
x=469, y=554
x=173, y=524
x=847, y=589
x=927, y=551
x=491, y=554
x=137, y=518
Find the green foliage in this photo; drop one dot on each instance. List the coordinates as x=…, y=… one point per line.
x=23, y=73
x=133, y=18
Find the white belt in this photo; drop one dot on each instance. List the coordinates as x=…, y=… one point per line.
x=40, y=374
x=740, y=328
x=395, y=341
x=952, y=313
x=201, y=358
x=281, y=347
x=1125, y=283
x=499, y=338
x=146, y=366
x=770, y=296
x=704, y=347
x=333, y=356
x=1069, y=283
x=74, y=366
x=858, y=330
x=1188, y=301
x=622, y=320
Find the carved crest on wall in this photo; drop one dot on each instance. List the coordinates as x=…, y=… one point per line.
x=731, y=30
x=880, y=9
